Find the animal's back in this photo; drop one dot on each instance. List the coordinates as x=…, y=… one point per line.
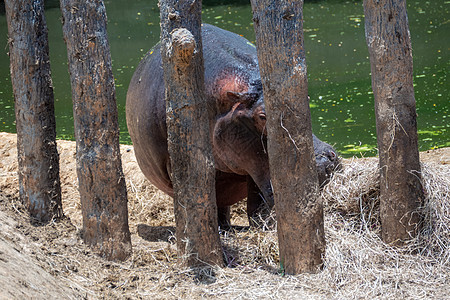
x=230, y=65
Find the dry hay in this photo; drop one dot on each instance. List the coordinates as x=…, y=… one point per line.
x=357, y=263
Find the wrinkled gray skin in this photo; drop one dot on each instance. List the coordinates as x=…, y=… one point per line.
x=233, y=88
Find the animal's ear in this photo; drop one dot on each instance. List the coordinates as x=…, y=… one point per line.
x=234, y=96
x=245, y=98
x=230, y=99
x=227, y=101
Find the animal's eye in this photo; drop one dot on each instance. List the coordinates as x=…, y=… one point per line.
x=262, y=116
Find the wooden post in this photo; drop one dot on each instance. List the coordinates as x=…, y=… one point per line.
x=101, y=181
x=188, y=129
x=401, y=193
x=299, y=209
x=39, y=183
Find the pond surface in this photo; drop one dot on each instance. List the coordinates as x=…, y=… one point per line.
x=337, y=57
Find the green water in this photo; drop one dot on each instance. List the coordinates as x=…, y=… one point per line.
x=337, y=58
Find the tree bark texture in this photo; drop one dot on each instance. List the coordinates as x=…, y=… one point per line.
x=299, y=209
x=192, y=163
x=101, y=181
x=401, y=193
x=39, y=183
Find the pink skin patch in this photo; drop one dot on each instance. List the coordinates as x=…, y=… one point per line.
x=228, y=82
x=231, y=83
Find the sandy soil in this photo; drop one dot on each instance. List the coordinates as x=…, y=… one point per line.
x=51, y=261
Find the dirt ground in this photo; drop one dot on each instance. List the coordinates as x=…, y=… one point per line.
x=51, y=261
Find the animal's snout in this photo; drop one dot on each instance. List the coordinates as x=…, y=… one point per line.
x=327, y=162
x=332, y=156
x=333, y=163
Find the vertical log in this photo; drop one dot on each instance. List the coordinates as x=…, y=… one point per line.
x=39, y=183
x=188, y=129
x=389, y=43
x=101, y=181
x=299, y=209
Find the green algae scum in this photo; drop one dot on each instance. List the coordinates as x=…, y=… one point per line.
x=338, y=66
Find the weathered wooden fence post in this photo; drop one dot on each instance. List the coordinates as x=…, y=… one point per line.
x=101, y=181
x=39, y=183
x=389, y=43
x=188, y=134
x=299, y=209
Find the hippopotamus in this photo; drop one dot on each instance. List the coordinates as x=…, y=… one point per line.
x=233, y=89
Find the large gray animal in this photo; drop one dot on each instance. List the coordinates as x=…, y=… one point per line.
x=233, y=87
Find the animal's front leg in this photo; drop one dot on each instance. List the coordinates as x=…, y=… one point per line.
x=223, y=216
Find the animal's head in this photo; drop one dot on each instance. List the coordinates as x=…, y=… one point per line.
x=247, y=111
x=240, y=139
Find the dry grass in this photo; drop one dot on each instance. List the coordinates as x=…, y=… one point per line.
x=357, y=264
